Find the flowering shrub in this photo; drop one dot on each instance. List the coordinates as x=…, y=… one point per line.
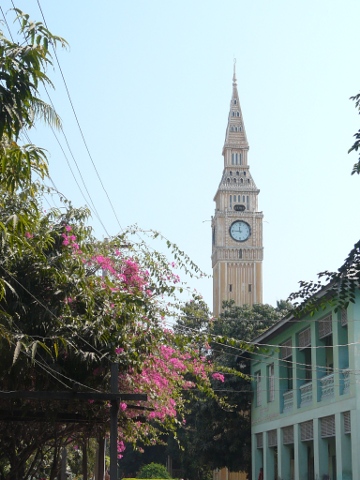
x=84, y=304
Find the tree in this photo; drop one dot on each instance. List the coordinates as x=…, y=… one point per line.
x=71, y=306
x=22, y=70
x=356, y=145
x=153, y=470
x=217, y=430
x=23, y=66
x=336, y=287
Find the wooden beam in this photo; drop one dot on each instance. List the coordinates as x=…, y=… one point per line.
x=57, y=395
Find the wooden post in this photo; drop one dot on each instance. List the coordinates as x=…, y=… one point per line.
x=114, y=410
x=84, y=460
x=63, y=463
x=100, y=460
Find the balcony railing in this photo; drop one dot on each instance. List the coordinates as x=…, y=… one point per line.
x=288, y=401
x=327, y=386
x=346, y=377
x=305, y=394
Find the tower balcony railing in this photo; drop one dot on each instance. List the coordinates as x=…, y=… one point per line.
x=288, y=398
x=327, y=386
x=306, y=394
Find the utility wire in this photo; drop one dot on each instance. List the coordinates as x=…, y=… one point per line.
x=89, y=200
x=79, y=126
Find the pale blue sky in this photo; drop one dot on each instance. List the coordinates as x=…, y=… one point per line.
x=151, y=83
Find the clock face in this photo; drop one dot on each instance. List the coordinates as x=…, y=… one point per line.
x=240, y=231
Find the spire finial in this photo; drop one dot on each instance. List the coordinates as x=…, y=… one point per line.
x=234, y=76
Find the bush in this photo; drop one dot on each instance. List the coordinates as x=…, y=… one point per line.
x=153, y=470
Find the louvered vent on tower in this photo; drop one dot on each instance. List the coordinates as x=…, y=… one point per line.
x=307, y=431
x=328, y=426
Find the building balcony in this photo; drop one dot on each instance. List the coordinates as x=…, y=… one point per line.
x=346, y=379
x=306, y=394
x=327, y=387
x=288, y=401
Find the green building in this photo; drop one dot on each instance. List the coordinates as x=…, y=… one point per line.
x=306, y=404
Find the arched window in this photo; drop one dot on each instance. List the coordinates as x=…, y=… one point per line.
x=230, y=174
x=240, y=157
x=238, y=114
x=237, y=172
x=241, y=180
x=233, y=159
x=233, y=114
x=235, y=101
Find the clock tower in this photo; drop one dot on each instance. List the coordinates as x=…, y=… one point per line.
x=237, y=242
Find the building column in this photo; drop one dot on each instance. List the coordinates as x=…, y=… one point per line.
x=284, y=456
x=355, y=442
x=321, y=451
x=257, y=460
x=339, y=440
x=269, y=461
x=300, y=454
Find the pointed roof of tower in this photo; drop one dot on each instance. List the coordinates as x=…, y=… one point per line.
x=235, y=136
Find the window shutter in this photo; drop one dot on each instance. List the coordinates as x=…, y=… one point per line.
x=307, y=431
x=272, y=438
x=286, y=350
x=258, y=388
x=347, y=423
x=305, y=338
x=344, y=319
x=288, y=435
x=259, y=440
x=325, y=326
x=271, y=392
x=328, y=426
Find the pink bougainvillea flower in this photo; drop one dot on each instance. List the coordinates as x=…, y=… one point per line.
x=218, y=376
x=119, y=350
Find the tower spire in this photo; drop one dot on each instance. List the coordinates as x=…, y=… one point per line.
x=235, y=132
x=234, y=76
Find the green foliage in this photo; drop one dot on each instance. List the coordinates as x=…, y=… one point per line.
x=356, y=145
x=23, y=66
x=153, y=470
x=22, y=70
x=217, y=433
x=337, y=288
